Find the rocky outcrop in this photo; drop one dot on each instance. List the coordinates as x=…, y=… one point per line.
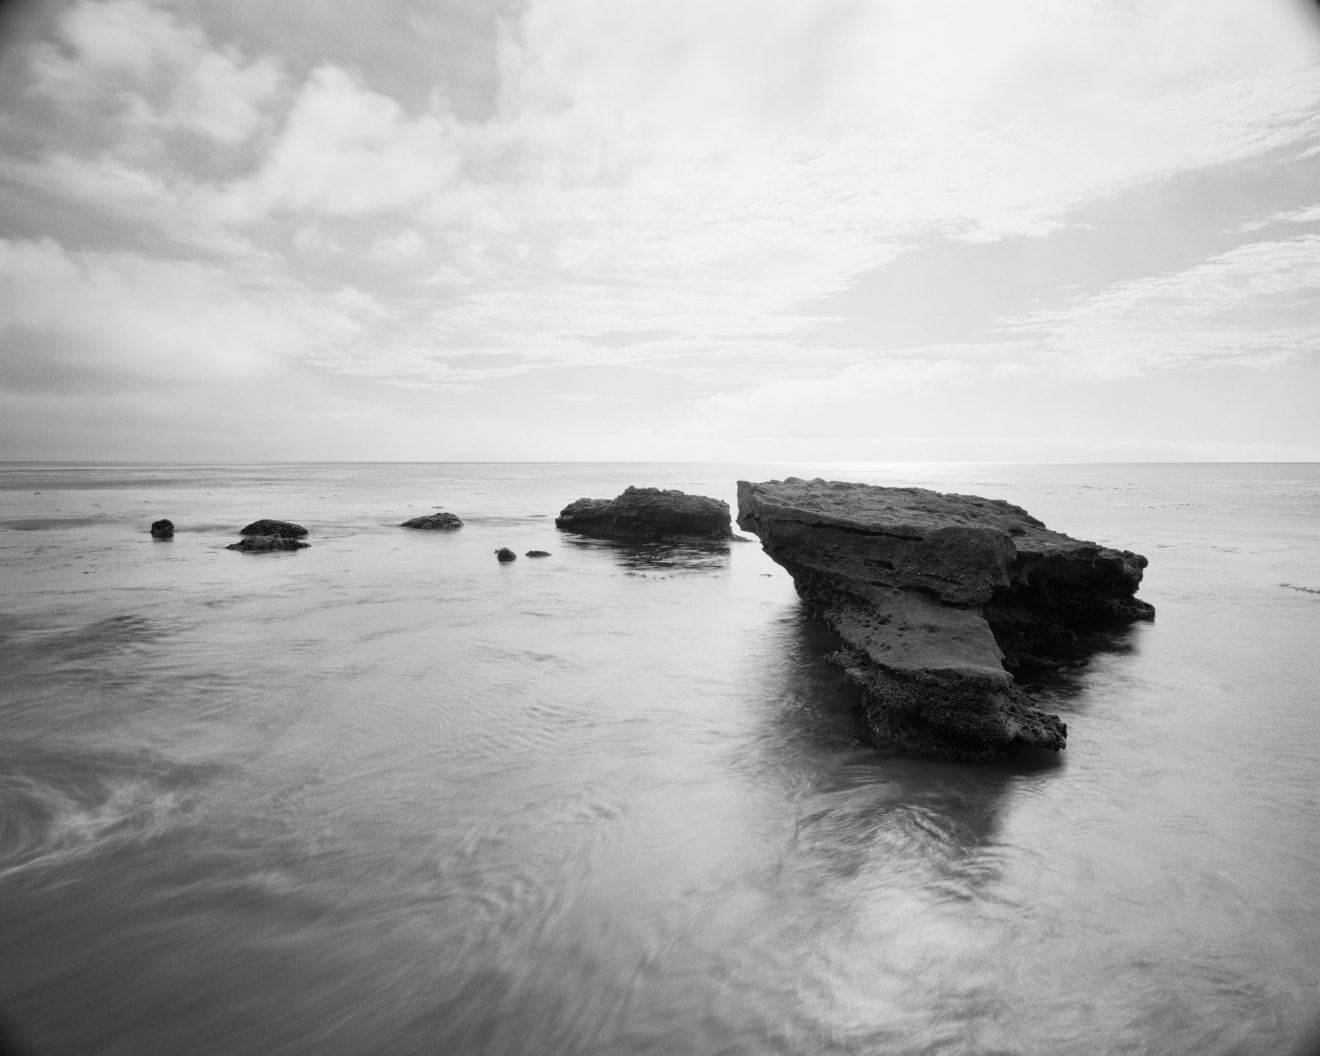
x=283, y=529
x=504, y=555
x=260, y=544
x=162, y=529
x=938, y=599
x=650, y=515
x=537, y=553
x=434, y=522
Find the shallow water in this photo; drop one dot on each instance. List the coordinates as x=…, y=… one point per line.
x=388, y=795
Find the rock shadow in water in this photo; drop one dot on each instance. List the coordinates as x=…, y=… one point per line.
x=657, y=558
x=868, y=817
x=1064, y=680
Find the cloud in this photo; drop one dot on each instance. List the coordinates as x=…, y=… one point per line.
x=1308, y=215
x=710, y=172
x=346, y=150
x=697, y=177
x=1252, y=310
x=150, y=70
x=1255, y=304
x=122, y=319
x=401, y=249
x=896, y=117
x=861, y=400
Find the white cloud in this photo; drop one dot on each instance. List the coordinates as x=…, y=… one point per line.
x=703, y=172
x=1256, y=304
x=346, y=150
x=862, y=399
x=709, y=170
x=157, y=72
x=174, y=212
x=138, y=320
x=401, y=249
x=1310, y=215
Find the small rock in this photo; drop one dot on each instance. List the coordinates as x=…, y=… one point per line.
x=284, y=529
x=537, y=553
x=163, y=529
x=434, y=521
x=504, y=554
x=258, y=544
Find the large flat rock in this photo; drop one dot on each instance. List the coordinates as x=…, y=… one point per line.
x=938, y=599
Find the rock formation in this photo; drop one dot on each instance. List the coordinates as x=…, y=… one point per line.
x=434, y=522
x=283, y=529
x=937, y=598
x=504, y=555
x=162, y=529
x=650, y=515
x=537, y=553
x=259, y=544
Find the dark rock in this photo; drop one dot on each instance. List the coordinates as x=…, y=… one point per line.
x=937, y=599
x=435, y=522
x=504, y=554
x=163, y=529
x=284, y=529
x=649, y=514
x=260, y=544
x=537, y=553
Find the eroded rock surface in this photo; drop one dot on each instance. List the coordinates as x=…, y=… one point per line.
x=650, y=515
x=434, y=522
x=938, y=598
x=266, y=526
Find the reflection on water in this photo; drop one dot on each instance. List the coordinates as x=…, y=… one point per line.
x=643, y=557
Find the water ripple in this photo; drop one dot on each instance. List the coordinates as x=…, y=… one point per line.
x=56, y=805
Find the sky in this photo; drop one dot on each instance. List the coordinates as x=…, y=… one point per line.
x=800, y=230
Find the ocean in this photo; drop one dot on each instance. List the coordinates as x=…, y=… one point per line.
x=387, y=795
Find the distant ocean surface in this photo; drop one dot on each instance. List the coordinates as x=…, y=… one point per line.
x=386, y=795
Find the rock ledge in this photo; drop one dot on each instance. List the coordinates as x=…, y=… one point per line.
x=937, y=599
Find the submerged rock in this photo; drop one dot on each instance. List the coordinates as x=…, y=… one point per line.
x=937, y=599
x=537, y=553
x=504, y=554
x=258, y=544
x=283, y=529
x=650, y=515
x=162, y=529
x=434, y=522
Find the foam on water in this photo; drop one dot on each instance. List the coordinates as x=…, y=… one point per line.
x=59, y=806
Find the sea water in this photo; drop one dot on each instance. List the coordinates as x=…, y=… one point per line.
x=388, y=795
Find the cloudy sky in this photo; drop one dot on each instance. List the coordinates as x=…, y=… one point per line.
x=613, y=229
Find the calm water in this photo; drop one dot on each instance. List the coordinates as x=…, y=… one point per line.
x=385, y=795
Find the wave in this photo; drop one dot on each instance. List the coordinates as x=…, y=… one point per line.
x=60, y=804
x=39, y=524
x=503, y=520
x=112, y=636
